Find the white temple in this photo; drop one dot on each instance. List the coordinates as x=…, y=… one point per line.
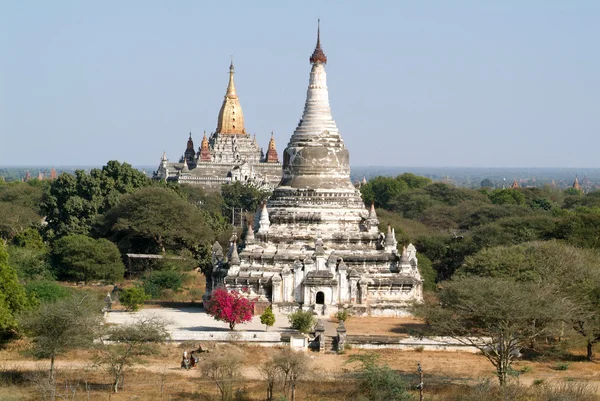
x=314, y=244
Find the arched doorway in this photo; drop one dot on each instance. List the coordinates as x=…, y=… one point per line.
x=320, y=298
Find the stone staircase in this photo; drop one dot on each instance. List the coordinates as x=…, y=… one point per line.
x=329, y=344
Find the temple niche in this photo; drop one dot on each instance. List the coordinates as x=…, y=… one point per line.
x=314, y=245
x=229, y=154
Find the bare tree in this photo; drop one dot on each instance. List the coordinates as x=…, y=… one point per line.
x=224, y=369
x=294, y=366
x=122, y=345
x=272, y=374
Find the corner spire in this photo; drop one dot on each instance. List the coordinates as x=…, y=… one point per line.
x=318, y=56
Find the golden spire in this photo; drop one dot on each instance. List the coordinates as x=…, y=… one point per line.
x=231, y=87
x=231, y=117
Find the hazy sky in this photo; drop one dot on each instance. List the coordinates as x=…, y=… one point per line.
x=419, y=83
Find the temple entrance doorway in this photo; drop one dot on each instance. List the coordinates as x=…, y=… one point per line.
x=320, y=298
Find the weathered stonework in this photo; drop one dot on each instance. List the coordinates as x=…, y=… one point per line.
x=314, y=244
x=228, y=155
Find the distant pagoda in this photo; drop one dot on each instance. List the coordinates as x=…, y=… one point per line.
x=227, y=155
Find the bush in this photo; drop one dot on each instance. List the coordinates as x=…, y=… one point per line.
x=342, y=315
x=268, y=317
x=302, y=321
x=561, y=366
x=46, y=291
x=133, y=297
x=377, y=382
x=157, y=281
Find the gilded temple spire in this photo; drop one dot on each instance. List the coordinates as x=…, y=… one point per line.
x=231, y=117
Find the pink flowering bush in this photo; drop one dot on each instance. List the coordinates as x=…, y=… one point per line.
x=230, y=307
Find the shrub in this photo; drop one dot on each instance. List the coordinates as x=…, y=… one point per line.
x=268, y=317
x=133, y=297
x=342, y=315
x=561, y=366
x=302, y=321
x=46, y=290
x=378, y=382
x=230, y=307
x=157, y=281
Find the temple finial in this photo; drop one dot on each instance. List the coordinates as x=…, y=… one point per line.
x=231, y=64
x=318, y=56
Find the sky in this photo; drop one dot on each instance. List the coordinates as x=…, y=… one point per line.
x=511, y=83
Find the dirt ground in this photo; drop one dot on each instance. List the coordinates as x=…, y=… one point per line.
x=383, y=326
x=159, y=377
x=161, y=374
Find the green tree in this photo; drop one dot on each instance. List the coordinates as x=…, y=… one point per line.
x=13, y=298
x=414, y=181
x=240, y=196
x=381, y=190
x=72, y=203
x=133, y=297
x=486, y=183
x=81, y=258
x=497, y=316
x=15, y=218
x=573, y=272
x=59, y=326
x=153, y=220
x=267, y=318
x=24, y=194
x=507, y=196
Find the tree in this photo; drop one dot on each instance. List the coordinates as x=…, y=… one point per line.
x=154, y=219
x=377, y=382
x=303, y=321
x=13, y=298
x=73, y=203
x=65, y=324
x=133, y=297
x=230, y=307
x=24, y=194
x=240, y=196
x=381, y=190
x=15, y=219
x=507, y=196
x=575, y=273
x=225, y=369
x=81, y=258
x=268, y=318
x=122, y=345
x=414, y=181
x=294, y=365
x=487, y=183
x=498, y=316
x=30, y=263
